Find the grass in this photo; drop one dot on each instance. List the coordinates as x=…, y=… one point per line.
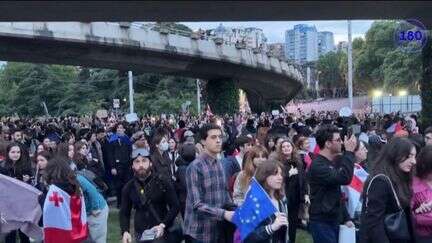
x=114, y=229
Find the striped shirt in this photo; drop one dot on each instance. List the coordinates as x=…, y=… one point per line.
x=206, y=195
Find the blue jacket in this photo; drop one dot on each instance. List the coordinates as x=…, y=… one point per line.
x=231, y=166
x=93, y=199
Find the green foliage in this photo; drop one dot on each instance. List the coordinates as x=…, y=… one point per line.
x=67, y=89
x=174, y=28
x=164, y=96
x=27, y=86
x=330, y=71
x=377, y=63
x=370, y=56
x=401, y=70
x=223, y=96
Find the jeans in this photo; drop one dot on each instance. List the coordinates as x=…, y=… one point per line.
x=324, y=232
x=98, y=226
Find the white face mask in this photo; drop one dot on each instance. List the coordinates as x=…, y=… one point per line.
x=164, y=146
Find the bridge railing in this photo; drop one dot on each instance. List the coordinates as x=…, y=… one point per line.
x=199, y=35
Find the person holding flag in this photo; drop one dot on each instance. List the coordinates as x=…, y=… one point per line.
x=263, y=217
x=64, y=211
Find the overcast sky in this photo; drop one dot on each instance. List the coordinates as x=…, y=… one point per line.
x=275, y=30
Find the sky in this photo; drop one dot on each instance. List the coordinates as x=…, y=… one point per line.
x=275, y=30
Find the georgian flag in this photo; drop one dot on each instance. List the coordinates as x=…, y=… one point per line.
x=353, y=191
x=64, y=217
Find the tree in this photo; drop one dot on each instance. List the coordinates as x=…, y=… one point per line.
x=401, y=70
x=223, y=96
x=330, y=74
x=38, y=84
x=369, y=59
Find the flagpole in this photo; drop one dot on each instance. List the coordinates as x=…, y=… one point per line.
x=350, y=84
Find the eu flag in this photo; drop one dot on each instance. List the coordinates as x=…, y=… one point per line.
x=256, y=208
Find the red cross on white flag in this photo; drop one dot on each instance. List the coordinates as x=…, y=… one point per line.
x=64, y=217
x=56, y=199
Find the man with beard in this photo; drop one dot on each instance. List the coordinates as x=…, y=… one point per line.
x=154, y=200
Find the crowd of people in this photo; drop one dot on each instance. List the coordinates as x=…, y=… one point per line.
x=185, y=176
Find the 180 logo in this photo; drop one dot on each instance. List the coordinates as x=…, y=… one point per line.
x=410, y=35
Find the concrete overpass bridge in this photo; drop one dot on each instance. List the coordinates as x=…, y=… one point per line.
x=122, y=46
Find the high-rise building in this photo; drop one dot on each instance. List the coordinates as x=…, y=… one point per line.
x=305, y=44
x=301, y=43
x=325, y=42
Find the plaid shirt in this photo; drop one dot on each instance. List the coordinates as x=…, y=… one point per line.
x=206, y=195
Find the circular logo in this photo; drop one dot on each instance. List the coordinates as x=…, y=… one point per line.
x=410, y=35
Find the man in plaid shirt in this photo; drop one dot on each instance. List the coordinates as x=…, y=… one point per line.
x=206, y=190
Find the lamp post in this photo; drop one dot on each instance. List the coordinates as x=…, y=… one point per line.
x=317, y=85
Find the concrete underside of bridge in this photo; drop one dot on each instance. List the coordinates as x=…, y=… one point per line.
x=254, y=81
x=213, y=10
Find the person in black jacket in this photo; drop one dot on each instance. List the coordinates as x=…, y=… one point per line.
x=295, y=184
x=394, y=165
x=119, y=158
x=154, y=199
x=17, y=165
x=325, y=179
x=187, y=155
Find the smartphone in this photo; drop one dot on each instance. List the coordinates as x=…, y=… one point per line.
x=148, y=235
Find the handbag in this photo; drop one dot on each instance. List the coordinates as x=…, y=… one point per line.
x=395, y=224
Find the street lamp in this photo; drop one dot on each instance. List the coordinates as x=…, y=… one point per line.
x=317, y=85
x=377, y=93
x=402, y=92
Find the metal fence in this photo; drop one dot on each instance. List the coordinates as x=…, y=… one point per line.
x=404, y=104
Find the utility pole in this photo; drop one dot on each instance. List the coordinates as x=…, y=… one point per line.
x=198, y=96
x=131, y=92
x=350, y=84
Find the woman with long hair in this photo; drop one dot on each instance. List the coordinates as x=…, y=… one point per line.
x=17, y=165
x=388, y=191
x=68, y=151
x=422, y=196
x=256, y=156
x=80, y=155
x=274, y=228
x=295, y=183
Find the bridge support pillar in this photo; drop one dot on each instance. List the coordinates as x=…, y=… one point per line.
x=222, y=96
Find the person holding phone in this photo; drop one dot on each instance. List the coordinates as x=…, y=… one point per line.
x=155, y=202
x=326, y=178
